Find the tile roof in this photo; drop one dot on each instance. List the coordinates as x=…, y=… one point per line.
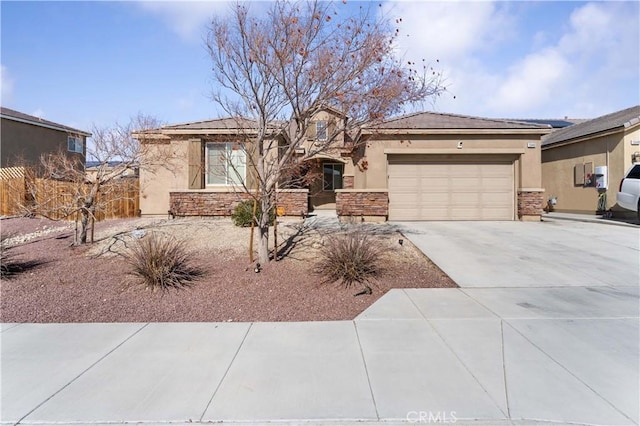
x=616, y=120
x=229, y=123
x=37, y=121
x=434, y=120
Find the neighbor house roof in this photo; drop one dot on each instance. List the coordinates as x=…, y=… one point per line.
x=10, y=114
x=441, y=121
x=606, y=123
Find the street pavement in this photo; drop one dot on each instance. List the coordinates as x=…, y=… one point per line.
x=544, y=330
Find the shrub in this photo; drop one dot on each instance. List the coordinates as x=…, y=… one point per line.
x=162, y=262
x=350, y=259
x=243, y=214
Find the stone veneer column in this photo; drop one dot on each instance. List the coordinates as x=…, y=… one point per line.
x=530, y=203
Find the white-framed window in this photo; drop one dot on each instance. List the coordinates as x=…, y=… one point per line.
x=226, y=164
x=321, y=130
x=332, y=176
x=74, y=144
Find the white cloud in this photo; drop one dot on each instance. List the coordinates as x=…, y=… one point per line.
x=6, y=86
x=448, y=30
x=188, y=19
x=38, y=113
x=532, y=83
x=497, y=66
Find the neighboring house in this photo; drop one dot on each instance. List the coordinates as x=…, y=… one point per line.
x=25, y=138
x=582, y=164
x=423, y=166
x=92, y=168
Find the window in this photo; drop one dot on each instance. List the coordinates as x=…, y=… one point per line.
x=74, y=144
x=634, y=173
x=226, y=164
x=332, y=176
x=321, y=130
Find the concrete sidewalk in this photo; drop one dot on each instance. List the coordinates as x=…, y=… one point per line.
x=473, y=356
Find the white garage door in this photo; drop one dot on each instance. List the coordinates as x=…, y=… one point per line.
x=428, y=190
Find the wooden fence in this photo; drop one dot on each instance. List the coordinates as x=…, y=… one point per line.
x=54, y=199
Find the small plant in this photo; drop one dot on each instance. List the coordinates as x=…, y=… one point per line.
x=162, y=263
x=351, y=259
x=243, y=214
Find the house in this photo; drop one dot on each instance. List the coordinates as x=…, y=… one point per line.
x=25, y=138
x=582, y=164
x=422, y=166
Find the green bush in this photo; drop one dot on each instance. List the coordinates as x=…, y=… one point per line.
x=243, y=214
x=350, y=259
x=162, y=263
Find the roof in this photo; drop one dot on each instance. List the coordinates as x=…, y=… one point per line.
x=435, y=120
x=556, y=123
x=614, y=121
x=11, y=114
x=218, y=125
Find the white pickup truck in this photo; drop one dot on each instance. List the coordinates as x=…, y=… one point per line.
x=628, y=195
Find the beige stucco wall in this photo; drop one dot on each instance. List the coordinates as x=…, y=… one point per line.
x=527, y=160
x=631, y=134
x=612, y=150
x=158, y=180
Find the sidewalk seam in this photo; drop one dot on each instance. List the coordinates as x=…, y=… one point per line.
x=366, y=370
x=464, y=365
x=81, y=373
x=504, y=368
x=224, y=376
x=571, y=373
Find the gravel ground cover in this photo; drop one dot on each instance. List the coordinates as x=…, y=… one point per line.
x=64, y=283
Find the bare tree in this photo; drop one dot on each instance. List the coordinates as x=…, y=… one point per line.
x=281, y=67
x=116, y=151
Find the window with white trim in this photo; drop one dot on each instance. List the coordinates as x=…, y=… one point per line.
x=74, y=144
x=321, y=130
x=226, y=164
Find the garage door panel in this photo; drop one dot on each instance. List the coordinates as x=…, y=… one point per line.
x=450, y=191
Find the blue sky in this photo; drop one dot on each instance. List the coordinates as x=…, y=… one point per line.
x=80, y=63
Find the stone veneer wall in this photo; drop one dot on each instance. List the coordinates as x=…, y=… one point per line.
x=295, y=202
x=204, y=203
x=530, y=202
x=362, y=203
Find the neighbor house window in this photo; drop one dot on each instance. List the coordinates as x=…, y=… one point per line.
x=74, y=144
x=226, y=164
x=332, y=176
x=321, y=130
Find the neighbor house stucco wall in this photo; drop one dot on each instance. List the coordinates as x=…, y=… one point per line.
x=23, y=143
x=558, y=165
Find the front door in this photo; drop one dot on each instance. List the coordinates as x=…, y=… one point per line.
x=323, y=195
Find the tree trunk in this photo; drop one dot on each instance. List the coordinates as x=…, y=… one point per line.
x=263, y=247
x=84, y=226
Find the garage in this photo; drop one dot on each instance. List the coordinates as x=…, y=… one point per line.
x=424, y=187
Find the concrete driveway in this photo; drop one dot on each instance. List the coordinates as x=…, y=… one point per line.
x=526, y=254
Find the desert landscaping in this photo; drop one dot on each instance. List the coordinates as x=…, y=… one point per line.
x=55, y=281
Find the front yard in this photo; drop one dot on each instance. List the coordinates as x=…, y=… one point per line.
x=61, y=283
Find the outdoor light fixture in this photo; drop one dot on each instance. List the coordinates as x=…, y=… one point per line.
x=257, y=268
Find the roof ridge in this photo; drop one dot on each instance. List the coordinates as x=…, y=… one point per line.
x=12, y=113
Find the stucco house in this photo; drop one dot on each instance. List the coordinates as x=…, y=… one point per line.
x=25, y=138
x=582, y=164
x=422, y=166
